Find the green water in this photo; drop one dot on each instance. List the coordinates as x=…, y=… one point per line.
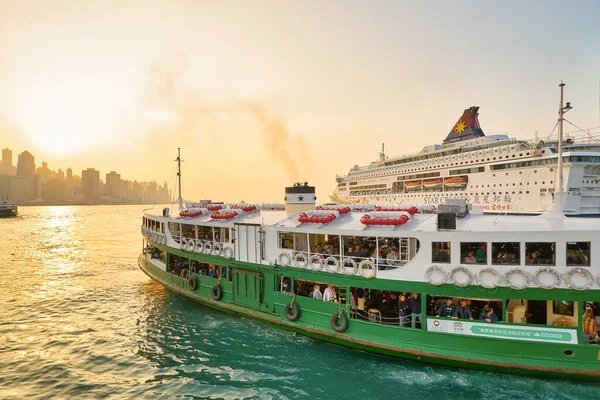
x=78, y=319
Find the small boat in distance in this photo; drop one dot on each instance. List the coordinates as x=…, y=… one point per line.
x=8, y=210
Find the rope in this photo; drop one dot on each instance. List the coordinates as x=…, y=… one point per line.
x=155, y=203
x=194, y=182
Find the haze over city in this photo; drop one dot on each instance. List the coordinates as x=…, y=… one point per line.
x=259, y=94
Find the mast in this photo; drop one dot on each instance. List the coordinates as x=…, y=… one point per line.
x=382, y=154
x=179, y=161
x=561, y=111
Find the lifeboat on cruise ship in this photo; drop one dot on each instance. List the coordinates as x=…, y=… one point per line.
x=456, y=181
x=412, y=210
x=341, y=209
x=433, y=183
x=318, y=216
x=385, y=218
x=413, y=185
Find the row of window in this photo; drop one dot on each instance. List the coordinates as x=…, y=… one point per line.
x=153, y=225
x=509, y=253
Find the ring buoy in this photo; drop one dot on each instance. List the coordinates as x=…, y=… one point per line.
x=349, y=262
x=284, y=259
x=339, y=316
x=216, y=292
x=332, y=264
x=488, y=278
x=518, y=279
x=183, y=244
x=436, y=275
x=164, y=239
x=199, y=247
x=228, y=252
x=193, y=283
x=153, y=236
x=208, y=248
x=292, y=311
x=461, y=276
x=191, y=245
x=316, y=262
x=547, y=278
x=300, y=260
x=579, y=279
x=366, y=264
x=217, y=249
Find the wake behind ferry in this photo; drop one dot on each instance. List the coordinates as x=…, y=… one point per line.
x=446, y=285
x=494, y=172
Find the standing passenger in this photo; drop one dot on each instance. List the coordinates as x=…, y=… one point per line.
x=415, y=308
x=403, y=311
x=463, y=311
x=329, y=294
x=446, y=310
x=317, y=292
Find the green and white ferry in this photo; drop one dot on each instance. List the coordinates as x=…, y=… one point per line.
x=445, y=285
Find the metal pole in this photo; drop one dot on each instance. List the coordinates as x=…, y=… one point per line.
x=560, y=140
x=180, y=199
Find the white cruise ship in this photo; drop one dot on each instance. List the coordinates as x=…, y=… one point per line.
x=494, y=172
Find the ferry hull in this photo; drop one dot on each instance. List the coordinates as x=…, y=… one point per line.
x=514, y=357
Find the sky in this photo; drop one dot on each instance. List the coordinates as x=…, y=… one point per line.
x=259, y=94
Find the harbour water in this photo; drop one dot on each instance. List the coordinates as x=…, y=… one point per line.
x=78, y=319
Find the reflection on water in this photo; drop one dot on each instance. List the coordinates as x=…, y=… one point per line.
x=79, y=320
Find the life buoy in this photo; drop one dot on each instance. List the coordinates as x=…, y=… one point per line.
x=191, y=245
x=436, y=275
x=154, y=236
x=488, y=278
x=349, y=262
x=208, y=248
x=579, y=279
x=228, y=252
x=366, y=264
x=461, y=276
x=284, y=259
x=164, y=239
x=292, y=311
x=518, y=279
x=217, y=249
x=300, y=260
x=316, y=262
x=332, y=264
x=333, y=321
x=216, y=292
x=547, y=278
x=193, y=283
x=199, y=247
x=183, y=244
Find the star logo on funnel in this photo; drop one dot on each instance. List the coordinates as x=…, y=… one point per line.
x=460, y=127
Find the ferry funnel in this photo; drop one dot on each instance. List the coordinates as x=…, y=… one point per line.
x=299, y=198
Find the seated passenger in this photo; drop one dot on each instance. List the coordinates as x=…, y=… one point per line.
x=392, y=257
x=446, y=310
x=211, y=272
x=499, y=257
x=375, y=260
x=317, y=292
x=470, y=258
x=488, y=315
x=463, y=311
x=481, y=254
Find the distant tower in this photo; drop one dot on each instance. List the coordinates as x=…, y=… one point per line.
x=69, y=174
x=6, y=158
x=299, y=198
x=90, y=184
x=26, y=165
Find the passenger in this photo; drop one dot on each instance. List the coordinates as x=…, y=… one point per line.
x=403, y=311
x=446, y=310
x=211, y=272
x=285, y=286
x=414, y=303
x=374, y=259
x=317, y=292
x=534, y=258
x=463, y=311
x=481, y=255
x=488, y=315
x=392, y=257
x=499, y=257
x=329, y=294
x=350, y=251
x=470, y=258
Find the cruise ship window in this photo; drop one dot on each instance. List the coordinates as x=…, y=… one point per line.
x=473, y=253
x=506, y=253
x=578, y=254
x=540, y=253
x=440, y=252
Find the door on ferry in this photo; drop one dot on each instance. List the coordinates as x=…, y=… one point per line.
x=247, y=288
x=536, y=312
x=248, y=243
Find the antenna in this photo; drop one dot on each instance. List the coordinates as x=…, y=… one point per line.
x=561, y=111
x=179, y=161
x=382, y=154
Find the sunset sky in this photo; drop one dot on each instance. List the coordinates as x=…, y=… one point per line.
x=261, y=93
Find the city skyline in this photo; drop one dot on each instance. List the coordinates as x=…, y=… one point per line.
x=26, y=184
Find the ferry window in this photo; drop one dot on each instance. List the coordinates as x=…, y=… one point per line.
x=175, y=227
x=188, y=231
x=327, y=245
x=473, y=253
x=578, y=254
x=284, y=285
x=286, y=240
x=205, y=233
x=507, y=253
x=440, y=252
x=359, y=248
x=222, y=235
x=539, y=253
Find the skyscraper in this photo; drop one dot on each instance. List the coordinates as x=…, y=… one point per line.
x=113, y=185
x=26, y=165
x=69, y=174
x=90, y=185
x=6, y=157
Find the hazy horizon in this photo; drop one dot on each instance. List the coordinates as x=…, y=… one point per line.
x=259, y=94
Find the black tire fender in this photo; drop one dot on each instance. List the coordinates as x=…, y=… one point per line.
x=216, y=292
x=193, y=283
x=334, y=321
x=292, y=311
